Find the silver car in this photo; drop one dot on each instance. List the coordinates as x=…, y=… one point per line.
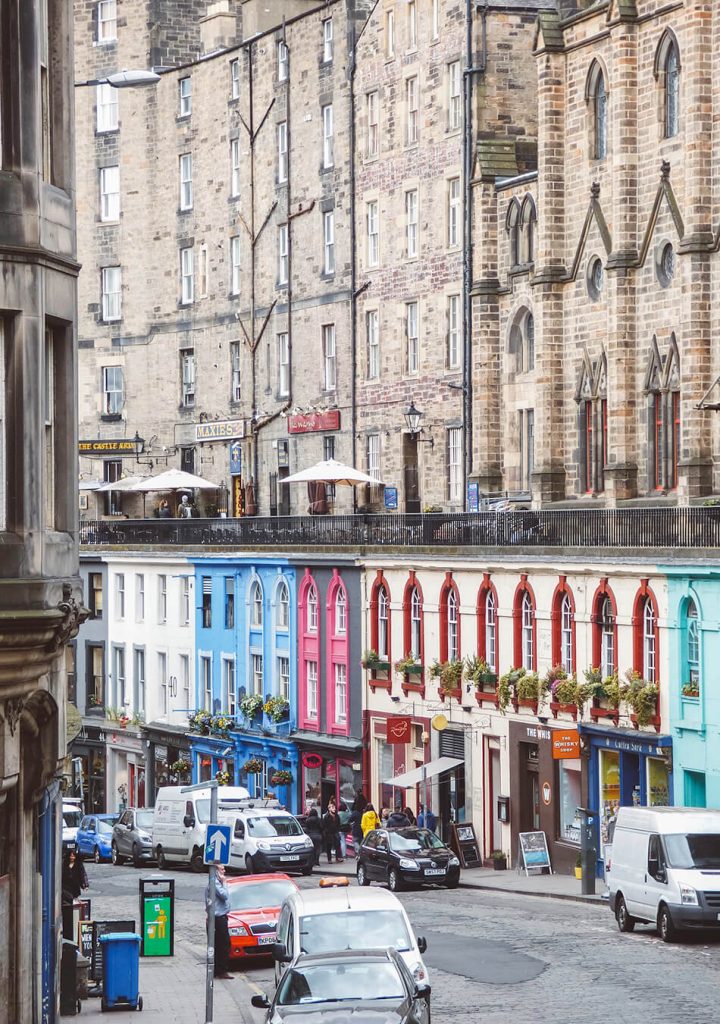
x=132, y=836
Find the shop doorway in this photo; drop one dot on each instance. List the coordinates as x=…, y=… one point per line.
x=494, y=790
x=529, y=788
x=410, y=473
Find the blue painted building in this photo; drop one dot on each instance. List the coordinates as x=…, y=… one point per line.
x=246, y=642
x=694, y=652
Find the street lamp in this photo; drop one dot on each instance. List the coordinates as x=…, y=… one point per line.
x=125, y=79
x=413, y=417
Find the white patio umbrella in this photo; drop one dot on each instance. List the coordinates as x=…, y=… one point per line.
x=89, y=485
x=174, y=480
x=330, y=472
x=125, y=483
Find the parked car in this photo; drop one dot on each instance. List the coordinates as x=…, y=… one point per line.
x=335, y=917
x=369, y=985
x=181, y=821
x=254, y=911
x=664, y=870
x=94, y=836
x=406, y=856
x=266, y=838
x=132, y=836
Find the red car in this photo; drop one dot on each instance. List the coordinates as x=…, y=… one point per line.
x=255, y=902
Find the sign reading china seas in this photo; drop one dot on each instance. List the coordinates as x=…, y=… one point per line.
x=313, y=421
x=398, y=729
x=565, y=743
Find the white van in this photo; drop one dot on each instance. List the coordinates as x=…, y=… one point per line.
x=665, y=869
x=267, y=838
x=335, y=917
x=181, y=820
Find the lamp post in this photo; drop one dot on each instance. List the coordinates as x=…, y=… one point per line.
x=413, y=417
x=124, y=80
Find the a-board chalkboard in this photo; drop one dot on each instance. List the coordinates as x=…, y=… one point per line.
x=533, y=853
x=464, y=842
x=85, y=938
x=104, y=928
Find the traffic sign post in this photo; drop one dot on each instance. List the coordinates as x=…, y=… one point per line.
x=210, y=899
x=217, y=844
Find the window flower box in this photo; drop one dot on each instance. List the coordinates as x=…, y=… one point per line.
x=455, y=692
x=486, y=697
x=376, y=683
x=613, y=714
x=653, y=722
x=565, y=709
x=525, y=702
x=413, y=684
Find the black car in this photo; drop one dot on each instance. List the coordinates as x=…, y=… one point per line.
x=406, y=856
x=371, y=986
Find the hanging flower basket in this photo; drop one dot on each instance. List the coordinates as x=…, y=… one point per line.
x=281, y=778
x=254, y=766
x=222, y=778
x=200, y=722
x=251, y=706
x=277, y=708
x=181, y=767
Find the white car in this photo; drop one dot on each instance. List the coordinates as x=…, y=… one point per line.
x=267, y=838
x=336, y=917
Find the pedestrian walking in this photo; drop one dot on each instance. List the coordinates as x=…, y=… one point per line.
x=358, y=808
x=428, y=820
x=370, y=820
x=74, y=876
x=331, y=829
x=384, y=815
x=409, y=815
x=222, y=936
x=314, y=828
x=398, y=819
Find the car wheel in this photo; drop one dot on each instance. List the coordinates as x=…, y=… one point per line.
x=394, y=880
x=362, y=877
x=453, y=883
x=97, y=857
x=307, y=870
x=665, y=925
x=136, y=858
x=160, y=856
x=249, y=864
x=116, y=857
x=196, y=861
x=625, y=922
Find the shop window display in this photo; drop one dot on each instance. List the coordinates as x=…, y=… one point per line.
x=658, y=786
x=609, y=791
x=570, y=799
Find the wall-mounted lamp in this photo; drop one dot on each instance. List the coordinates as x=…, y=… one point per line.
x=139, y=443
x=413, y=417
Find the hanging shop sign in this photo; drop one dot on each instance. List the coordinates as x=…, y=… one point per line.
x=398, y=729
x=310, y=423
x=219, y=430
x=565, y=743
x=121, y=447
x=235, y=459
x=311, y=761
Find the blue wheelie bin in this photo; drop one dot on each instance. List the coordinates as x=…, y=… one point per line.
x=121, y=970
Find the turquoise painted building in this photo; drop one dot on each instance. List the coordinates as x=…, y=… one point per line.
x=694, y=698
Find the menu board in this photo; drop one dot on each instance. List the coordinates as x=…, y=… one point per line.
x=104, y=928
x=533, y=853
x=464, y=842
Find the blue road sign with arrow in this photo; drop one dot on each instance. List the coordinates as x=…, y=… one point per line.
x=217, y=844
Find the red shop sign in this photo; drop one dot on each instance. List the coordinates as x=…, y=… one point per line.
x=311, y=760
x=398, y=730
x=310, y=423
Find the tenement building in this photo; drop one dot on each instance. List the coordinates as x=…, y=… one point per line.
x=214, y=221
x=594, y=369
x=39, y=580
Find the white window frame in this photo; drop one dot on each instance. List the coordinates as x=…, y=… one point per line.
x=649, y=626
x=373, y=232
x=455, y=464
x=120, y=595
x=329, y=351
x=454, y=95
x=162, y=664
x=113, y=385
x=110, y=193
x=162, y=597
x=185, y=601
x=282, y=152
x=235, y=79
x=383, y=623
x=372, y=336
x=329, y=242
x=390, y=34
x=185, y=96
x=139, y=596
x=187, y=364
x=283, y=675
x=107, y=109
x=203, y=263
x=107, y=21
x=454, y=334
x=139, y=679
x=411, y=110
x=412, y=336
x=256, y=606
x=607, y=638
x=229, y=686
x=184, y=660
x=235, y=265
x=234, y=168
x=341, y=709
x=453, y=213
x=412, y=25
x=328, y=136
x=566, y=636
x=372, y=454
x=257, y=668
x=311, y=688
x=327, y=40
x=453, y=627
x=527, y=613
x=412, y=205
x=187, y=275
x=415, y=623
x=185, y=171
x=205, y=665
x=282, y=610
x=312, y=609
x=282, y=254
x=283, y=347
x=235, y=372
x=372, y=103
x=111, y=282
x=119, y=676
x=282, y=61
x=491, y=631
x=340, y=612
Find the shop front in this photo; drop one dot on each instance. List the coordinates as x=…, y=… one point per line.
x=625, y=769
x=398, y=744
x=89, y=769
x=126, y=769
x=267, y=766
x=329, y=766
x=168, y=757
x=546, y=789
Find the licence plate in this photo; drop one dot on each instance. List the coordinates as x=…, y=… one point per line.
x=265, y=940
x=434, y=871
x=293, y=856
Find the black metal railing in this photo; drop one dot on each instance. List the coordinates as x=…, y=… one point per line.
x=627, y=528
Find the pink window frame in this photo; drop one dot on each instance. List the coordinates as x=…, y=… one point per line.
x=337, y=652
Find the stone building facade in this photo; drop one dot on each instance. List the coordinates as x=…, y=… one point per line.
x=232, y=177
x=595, y=314
x=39, y=579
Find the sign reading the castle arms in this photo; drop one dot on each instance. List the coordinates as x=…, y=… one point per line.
x=313, y=421
x=121, y=447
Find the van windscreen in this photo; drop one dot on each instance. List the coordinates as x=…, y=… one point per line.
x=354, y=929
x=698, y=850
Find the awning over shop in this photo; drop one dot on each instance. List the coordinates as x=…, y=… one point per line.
x=427, y=771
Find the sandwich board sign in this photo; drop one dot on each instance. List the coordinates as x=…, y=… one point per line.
x=533, y=853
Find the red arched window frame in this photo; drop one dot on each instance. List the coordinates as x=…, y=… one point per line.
x=487, y=587
x=522, y=589
x=562, y=590
x=380, y=584
x=449, y=587
x=413, y=584
x=644, y=596
x=600, y=594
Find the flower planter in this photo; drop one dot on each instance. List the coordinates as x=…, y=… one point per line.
x=484, y=697
x=488, y=678
x=654, y=723
x=499, y=863
x=456, y=693
x=376, y=666
x=612, y=713
x=565, y=709
x=413, y=684
x=525, y=702
x=379, y=684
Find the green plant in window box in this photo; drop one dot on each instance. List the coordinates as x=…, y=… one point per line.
x=277, y=708
x=642, y=696
x=370, y=659
x=409, y=665
x=478, y=672
x=451, y=673
x=529, y=687
x=506, y=687
x=691, y=690
x=251, y=706
x=200, y=721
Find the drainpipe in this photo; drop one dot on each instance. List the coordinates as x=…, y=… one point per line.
x=353, y=260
